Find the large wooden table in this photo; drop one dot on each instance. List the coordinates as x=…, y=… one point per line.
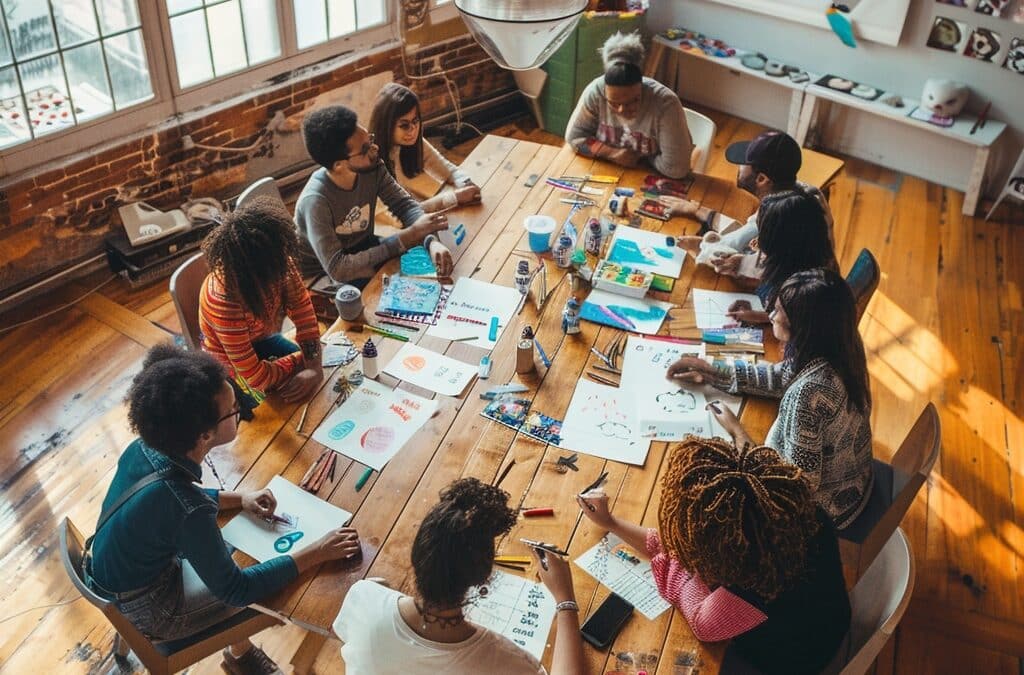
x=459, y=442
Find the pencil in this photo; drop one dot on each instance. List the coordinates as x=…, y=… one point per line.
x=602, y=380
x=312, y=468
x=399, y=325
x=464, y=339
x=363, y=478
x=302, y=418
x=386, y=333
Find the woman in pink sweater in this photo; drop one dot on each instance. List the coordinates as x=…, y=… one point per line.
x=744, y=553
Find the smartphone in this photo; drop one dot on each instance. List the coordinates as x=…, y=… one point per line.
x=604, y=624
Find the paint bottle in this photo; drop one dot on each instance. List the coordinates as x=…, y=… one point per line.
x=592, y=240
x=370, y=369
x=524, y=352
x=571, y=316
x=563, y=251
x=522, y=277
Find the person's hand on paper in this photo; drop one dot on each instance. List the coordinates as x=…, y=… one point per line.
x=600, y=513
x=260, y=503
x=554, y=572
x=442, y=258
x=743, y=312
x=689, y=369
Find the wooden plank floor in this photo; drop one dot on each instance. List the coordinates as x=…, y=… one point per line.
x=941, y=327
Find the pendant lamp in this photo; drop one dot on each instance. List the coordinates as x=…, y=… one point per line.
x=520, y=34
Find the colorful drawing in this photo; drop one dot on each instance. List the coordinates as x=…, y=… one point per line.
x=410, y=296
x=633, y=314
x=373, y=423
x=416, y=262
x=430, y=370
x=665, y=411
x=515, y=413
x=649, y=251
x=264, y=540
x=602, y=421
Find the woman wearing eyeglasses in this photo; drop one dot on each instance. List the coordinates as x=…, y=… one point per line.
x=411, y=159
x=630, y=119
x=157, y=552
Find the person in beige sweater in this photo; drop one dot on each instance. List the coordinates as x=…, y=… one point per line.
x=416, y=164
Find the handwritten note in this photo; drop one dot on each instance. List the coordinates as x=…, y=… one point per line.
x=618, y=567
x=520, y=610
x=430, y=370
x=470, y=309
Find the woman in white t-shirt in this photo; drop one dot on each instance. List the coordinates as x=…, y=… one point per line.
x=411, y=159
x=389, y=633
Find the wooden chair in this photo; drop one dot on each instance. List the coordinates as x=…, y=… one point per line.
x=264, y=187
x=158, y=657
x=702, y=131
x=878, y=603
x=186, y=284
x=896, y=486
x=863, y=279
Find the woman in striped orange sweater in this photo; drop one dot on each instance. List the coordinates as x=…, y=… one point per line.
x=253, y=284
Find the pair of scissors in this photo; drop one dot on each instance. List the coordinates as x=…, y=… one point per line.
x=601, y=480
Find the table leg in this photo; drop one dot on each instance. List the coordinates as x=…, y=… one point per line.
x=305, y=655
x=796, y=102
x=807, y=111
x=975, y=180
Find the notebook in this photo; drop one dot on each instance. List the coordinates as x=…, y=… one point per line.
x=405, y=295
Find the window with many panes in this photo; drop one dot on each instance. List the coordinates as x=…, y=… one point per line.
x=118, y=65
x=64, y=62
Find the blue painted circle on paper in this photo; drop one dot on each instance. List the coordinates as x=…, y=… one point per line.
x=342, y=430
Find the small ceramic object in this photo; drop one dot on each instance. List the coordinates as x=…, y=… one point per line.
x=839, y=84
x=756, y=61
x=775, y=68
x=370, y=369
x=943, y=98
x=864, y=91
x=349, y=302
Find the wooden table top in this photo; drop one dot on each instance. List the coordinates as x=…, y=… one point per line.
x=460, y=442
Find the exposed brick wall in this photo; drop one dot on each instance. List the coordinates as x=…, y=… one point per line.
x=54, y=219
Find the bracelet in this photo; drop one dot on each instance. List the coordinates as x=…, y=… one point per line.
x=569, y=605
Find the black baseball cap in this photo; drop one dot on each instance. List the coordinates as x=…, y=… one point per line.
x=774, y=153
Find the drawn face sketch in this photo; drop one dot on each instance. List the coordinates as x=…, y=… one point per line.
x=679, y=401
x=614, y=430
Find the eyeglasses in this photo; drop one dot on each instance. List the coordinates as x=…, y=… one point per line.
x=408, y=125
x=236, y=413
x=365, y=150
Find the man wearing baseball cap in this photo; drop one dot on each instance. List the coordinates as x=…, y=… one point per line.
x=767, y=164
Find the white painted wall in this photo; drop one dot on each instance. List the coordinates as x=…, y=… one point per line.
x=902, y=69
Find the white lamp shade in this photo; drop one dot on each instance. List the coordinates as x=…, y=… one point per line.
x=520, y=34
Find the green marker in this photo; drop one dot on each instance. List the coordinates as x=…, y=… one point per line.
x=365, y=477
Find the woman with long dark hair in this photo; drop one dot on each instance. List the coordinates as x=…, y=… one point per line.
x=389, y=633
x=823, y=425
x=253, y=283
x=630, y=119
x=794, y=236
x=415, y=163
x=743, y=552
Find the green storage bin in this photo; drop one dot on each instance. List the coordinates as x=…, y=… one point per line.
x=576, y=63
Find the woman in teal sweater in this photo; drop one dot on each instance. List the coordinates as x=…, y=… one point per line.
x=159, y=555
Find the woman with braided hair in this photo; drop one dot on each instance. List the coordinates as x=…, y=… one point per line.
x=630, y=119
x=253, y=283
x=389, y=633
x=743, y=552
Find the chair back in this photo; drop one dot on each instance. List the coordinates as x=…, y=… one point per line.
x=264, y=187
x=186, y=284
x=863, y=279
x=878, y=602
x=702, y=131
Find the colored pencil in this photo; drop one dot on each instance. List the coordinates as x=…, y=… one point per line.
x=602, y=380
x=363, y=478
x=386, y=333
x=399, y=325
x=464, y=339
x=302, y=418
x=543, y=357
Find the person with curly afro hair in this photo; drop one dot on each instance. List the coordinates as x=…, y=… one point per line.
x=157, y=553
x=427, y=633
x=744, y=553
x=253, y=284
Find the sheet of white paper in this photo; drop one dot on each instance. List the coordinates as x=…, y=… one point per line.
x=430, y=370
x=646, y=250
x=666, y=410
x=313, y=518
x=711, y=307
x=602, y=421
x=520, y=610
x=618, y=567
x=640, y=315
x=374, y=422
x=479, y=302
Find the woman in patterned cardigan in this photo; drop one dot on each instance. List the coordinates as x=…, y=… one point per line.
x=823, y=425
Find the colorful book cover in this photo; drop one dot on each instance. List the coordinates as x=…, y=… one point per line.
x=422, y=319
x=410, y=296
x=667, y=186
x=515, y=413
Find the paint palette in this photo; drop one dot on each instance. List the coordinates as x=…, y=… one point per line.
x=628, y=281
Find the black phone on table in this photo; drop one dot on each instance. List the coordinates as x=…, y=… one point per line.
x=604, y=624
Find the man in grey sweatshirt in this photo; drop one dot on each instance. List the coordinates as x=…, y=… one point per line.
x=335, y=212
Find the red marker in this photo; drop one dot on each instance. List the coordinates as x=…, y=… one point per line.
x=533, y=513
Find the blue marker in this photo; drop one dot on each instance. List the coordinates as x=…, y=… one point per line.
x=493, y=334
x=543, y=357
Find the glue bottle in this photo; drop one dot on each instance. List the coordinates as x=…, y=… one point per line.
x=370, y=369
x=522, y=277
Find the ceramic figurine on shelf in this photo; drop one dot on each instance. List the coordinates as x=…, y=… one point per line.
x=571, y=317
x=941, y=101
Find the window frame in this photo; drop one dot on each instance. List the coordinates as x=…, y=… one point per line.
x=170, y=100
